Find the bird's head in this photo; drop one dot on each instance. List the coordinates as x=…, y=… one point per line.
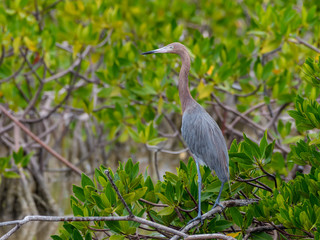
x=175, y=47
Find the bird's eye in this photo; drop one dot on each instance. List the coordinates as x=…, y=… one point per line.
x=171, y=47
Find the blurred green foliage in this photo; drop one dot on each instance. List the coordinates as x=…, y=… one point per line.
x=245, y=43
x=20, y=160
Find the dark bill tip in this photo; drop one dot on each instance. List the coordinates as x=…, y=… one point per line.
x=149, y=52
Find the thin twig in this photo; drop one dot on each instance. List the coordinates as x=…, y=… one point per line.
x=118, y=193
x=70, y=69
x=229, y=109
x=270, y=175
x=276, y=116
x=240, y=95
x=159, y=149
x=14, y=74
x=303, y=42
x=34, y=99
x=251, y=179
x=156, y=164
x=256, y=185
x=24, y=55
x=192, y=198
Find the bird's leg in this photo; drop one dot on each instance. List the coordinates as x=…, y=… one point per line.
x=217, y=203
x=199, y=196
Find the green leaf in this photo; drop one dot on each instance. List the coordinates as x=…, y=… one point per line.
x=117, y=237
x=241, y=157
x=77, y=211
x=18, y=156
x=86, y=181
x=56, y=237
x=166, y=211
x=263, y=143
x=170, y=192
x=4, y=161
x=111, y=195
x=219, y=225
x=26, y=159
x=254, y=147
x=268, y=152
x=76, y=235
x=156, y=141
x=236, y=216
x=97, y=198
x=78, y=192
x=261, y=236
x=163, y=199
x=139, y=193
x=88, y=236
x=114, y=226
x=304, y=219
x=179, y=191
x=149, y=184
x=11, y=174
x=102, y=181
x=134, y=135
x=128, y=167
x=267, y=70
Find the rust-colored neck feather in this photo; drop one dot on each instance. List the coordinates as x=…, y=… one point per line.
x=184, y=92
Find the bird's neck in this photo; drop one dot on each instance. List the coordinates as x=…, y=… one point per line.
x=184, y=92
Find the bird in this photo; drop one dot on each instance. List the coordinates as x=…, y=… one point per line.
x=199, y=130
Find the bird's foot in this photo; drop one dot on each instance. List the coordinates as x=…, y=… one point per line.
x=197, y=218
x=218, y=204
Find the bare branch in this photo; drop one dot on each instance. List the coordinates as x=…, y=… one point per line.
x=27, y=219
x=255, y=185
x=240, y=95
x=71, y=68
x=303, y=42
x=209, y=236
x=153, y=204
x=177, y=234
x=212, y=212
x=238, y=118
x=38, y=140
x=248, y=120
x=104, y=41
x=34, y=99
x=159, y=149
x=251, y=179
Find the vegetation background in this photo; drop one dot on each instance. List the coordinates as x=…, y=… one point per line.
x=72, y=73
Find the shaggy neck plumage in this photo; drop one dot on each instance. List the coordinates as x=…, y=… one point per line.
x=184, y=92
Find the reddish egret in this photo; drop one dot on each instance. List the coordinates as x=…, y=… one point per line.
x=201, y=133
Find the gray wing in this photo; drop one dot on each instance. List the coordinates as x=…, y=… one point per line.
x=205, y=140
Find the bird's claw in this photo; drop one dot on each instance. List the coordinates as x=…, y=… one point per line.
x=197, y=218
x=218, y=204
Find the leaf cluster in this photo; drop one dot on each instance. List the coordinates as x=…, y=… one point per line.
x=172, y=202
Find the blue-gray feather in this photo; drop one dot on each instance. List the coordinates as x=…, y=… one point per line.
x=205, y=140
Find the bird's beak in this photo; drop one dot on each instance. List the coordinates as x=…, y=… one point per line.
x=159, y=50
